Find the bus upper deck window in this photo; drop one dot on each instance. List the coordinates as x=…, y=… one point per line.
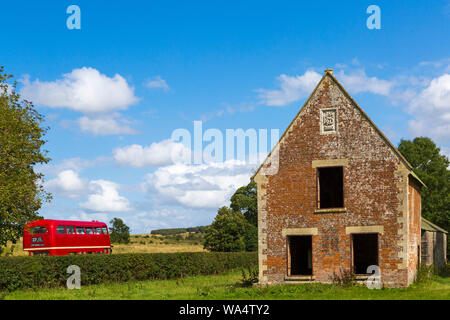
x=80, y=230
x=89, y=230
x=60, y=230
x=105, y=230
x=70, y=230
x=38, y=230
x=98, y=230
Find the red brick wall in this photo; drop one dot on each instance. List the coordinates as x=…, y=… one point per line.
x=372, y=194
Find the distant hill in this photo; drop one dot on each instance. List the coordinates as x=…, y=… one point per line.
x=165, y=232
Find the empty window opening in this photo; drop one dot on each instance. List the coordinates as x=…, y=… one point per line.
x=331, y=187
x=365, y=252
x=300, y=255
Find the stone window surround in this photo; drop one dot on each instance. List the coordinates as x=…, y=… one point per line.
x=315, y=231
x=329, y=163
x=286, y=232
x=364, y=229
x=378, y=229
x=299, y=232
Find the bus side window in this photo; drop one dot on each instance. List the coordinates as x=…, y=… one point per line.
x=60, y=230
x=80, y=230
x=105, y=230
x=89, y=230
x=70, y=230
x=98, y=230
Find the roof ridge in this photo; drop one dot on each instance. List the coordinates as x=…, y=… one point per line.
x=329, y=72
x=434, y=226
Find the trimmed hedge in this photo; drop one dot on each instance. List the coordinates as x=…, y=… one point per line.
x=51, y=271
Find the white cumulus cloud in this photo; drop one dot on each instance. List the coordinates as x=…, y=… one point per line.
x=76, y=164
x=83, y=216
x=198, y=186
x=358, y=81
x=105, y=125
x=292, y=88
x=66, y=183
x=85, y=90
x=157, y=83
x=157, y=154
x=431, y=110
x=105, y=197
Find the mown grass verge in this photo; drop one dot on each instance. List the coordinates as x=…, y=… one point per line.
x=228, y=286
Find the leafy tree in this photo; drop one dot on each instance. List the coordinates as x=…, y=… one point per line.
x=432, y=168
x=251, y=238
x=227, y=231
x=119, y=232
x=21, y=140
x=235, y=228
x=244, y=200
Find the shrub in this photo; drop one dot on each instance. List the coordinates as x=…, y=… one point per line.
x=50, y=271
x=344, y=278
x=226, y=233
x=445, y=271
x=119, y=232
x=248, y=279
x=424, y=273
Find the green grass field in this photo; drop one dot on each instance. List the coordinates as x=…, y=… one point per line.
x=228, y=286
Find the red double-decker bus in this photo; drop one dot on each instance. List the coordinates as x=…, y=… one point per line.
x=60, y=237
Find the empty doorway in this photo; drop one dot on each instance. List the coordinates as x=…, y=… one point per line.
x=300, y=255
x=365, y=252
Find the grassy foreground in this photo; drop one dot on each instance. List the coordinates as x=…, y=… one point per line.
x=228, y=286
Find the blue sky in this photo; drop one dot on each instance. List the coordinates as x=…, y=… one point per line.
x=115, y=90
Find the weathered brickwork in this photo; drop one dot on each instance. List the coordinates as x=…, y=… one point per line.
x=377, y=188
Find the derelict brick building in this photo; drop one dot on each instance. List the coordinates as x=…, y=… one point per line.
x=341, y=197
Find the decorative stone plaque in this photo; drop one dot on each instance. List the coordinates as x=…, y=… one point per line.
x=328, y=120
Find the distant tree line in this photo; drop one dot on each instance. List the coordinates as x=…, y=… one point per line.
x=172, y=231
